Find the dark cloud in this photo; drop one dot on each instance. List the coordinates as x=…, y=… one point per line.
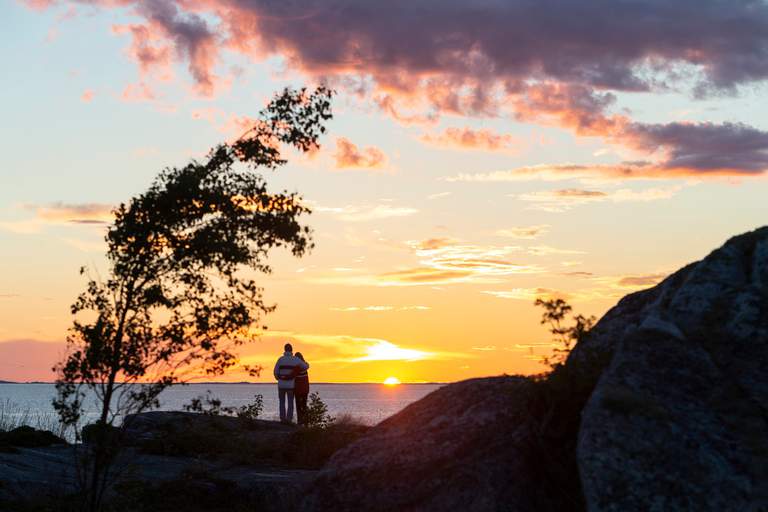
x=729, y=147
x=558, y=61
x=602, y=43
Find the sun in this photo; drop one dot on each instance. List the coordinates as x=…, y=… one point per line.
x=391, y=381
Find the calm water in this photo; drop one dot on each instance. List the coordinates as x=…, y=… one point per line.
x=369, y=403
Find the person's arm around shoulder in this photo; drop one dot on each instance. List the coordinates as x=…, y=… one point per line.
x=304, y=365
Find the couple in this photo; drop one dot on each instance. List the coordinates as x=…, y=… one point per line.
x=292, y=381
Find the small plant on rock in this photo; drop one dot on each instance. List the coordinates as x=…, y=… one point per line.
x=253, y=410
x=206, y=404
x=564, y=337
x=317, y=412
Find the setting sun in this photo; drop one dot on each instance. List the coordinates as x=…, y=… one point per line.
x=391, y=381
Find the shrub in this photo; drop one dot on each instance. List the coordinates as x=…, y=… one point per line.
x=253, y=410
x=205, y=404
x=211, y=406
x=317, y=412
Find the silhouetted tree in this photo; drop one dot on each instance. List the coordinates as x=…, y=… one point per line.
x=180, y=292
x=565, y=337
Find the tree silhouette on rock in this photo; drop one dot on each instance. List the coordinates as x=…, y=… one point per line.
x=181, y=294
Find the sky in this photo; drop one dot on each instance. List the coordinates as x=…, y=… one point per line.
x=482, y=154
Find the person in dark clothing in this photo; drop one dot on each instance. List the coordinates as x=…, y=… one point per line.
x=301, y=391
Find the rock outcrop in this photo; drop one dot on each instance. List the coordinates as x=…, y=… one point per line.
x=209, y=459
x=663, y=407
x=457, y=446
x=678, y=420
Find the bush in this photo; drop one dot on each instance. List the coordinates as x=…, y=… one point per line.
x=253, y=410
x=207, y=404
x=317, y=412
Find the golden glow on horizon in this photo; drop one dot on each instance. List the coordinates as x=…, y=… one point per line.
x=391, y=381
x=386, y=351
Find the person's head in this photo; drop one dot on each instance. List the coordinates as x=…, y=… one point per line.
x=298, y=354
x=288, y=347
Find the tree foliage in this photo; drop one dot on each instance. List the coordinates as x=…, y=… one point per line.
x=182, y=256
x=565, y=337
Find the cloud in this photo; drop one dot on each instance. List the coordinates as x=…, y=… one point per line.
x=545, y=250
x=479, y=261
x=564, y=199
x=438, y=195
x=524, y=233
x=88, y=214
x=354, y=349
x=526, y=294
x=678, y=148
x=445, y=260
x=422, y=276
x=137, y=93
x=87, y=96
x=402, y=44
x=431, y=244
x=467, y=138
x=81, y=213
x=608, y=288
x=378, y=309
x=559, y=172
x=638, y=281
x=577, y=273
x=579, y=194
x=348, y=156
x=385, y=351
x=559, y=62
x=352, y=213
x=186, y=33
x=706, y=148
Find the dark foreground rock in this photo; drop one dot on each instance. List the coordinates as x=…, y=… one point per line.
x=27, y=437
x=678, y=420
x=663, y=407
x=172, y=461
x=457, y=446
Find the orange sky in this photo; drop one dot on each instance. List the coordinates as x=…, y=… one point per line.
x=462, y=176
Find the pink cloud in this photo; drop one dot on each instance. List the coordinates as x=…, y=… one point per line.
x=467, y=138
x=349, y=156
x=138, y=92
x=87, y=95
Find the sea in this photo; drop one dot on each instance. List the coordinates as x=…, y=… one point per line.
x=368, y=403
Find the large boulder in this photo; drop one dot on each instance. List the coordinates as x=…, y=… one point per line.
x=27, y=437
x=458, y=447
x=678, y=420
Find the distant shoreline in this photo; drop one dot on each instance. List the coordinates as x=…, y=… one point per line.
x=264, y=383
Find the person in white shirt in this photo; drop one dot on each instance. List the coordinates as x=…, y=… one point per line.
x=286, y=369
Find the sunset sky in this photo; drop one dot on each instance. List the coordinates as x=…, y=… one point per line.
x=482, y=154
